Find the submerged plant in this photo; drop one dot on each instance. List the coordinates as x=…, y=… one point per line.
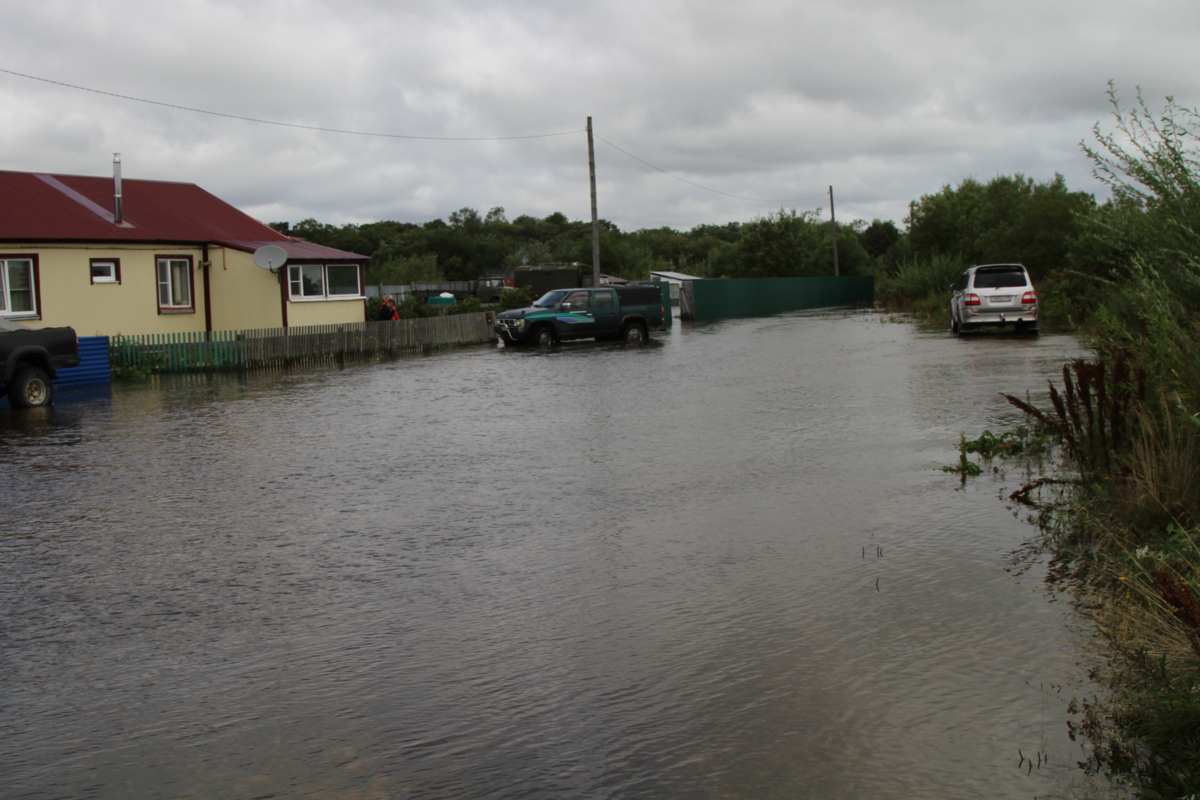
x=965, y=467
x=1021, y=440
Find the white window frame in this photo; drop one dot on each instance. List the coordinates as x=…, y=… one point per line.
x=168, y=279
x=7, y=264
x=296, y=284
x=113, y=273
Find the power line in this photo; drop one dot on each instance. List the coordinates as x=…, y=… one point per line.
x=393, y=135
x=288, y=124
x=698, y=186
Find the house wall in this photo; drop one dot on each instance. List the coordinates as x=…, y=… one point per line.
x=325, y=312
x=243, y=295
x=68, y=297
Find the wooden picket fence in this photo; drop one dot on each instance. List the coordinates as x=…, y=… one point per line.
x=301, y=345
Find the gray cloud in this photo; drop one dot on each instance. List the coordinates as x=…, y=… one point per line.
x=772, y=100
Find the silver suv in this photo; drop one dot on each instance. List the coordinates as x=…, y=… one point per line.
x=992, y=295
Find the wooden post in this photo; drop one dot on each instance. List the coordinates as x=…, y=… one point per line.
x=595, y=220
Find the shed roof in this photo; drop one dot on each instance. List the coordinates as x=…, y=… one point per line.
x=39, y=207
x=674, y=276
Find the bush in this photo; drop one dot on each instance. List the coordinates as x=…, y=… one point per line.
x=413, y=307
x=373, y=304
x=469, y=305
x=515, y=298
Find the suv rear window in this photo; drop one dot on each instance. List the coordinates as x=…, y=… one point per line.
x=1000, y=279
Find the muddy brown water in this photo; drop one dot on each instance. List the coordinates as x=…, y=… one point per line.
x=722, y=564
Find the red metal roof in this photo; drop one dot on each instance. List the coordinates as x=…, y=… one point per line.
x=296, y=249
x=38, y=207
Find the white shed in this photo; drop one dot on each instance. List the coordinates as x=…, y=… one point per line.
x=676, y=280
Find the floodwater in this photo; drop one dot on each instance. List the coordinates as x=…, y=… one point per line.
x=722, y=564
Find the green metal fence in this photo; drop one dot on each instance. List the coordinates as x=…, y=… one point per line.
x=759, y=297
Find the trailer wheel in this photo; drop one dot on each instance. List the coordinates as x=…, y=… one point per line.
x=30, y=388
x=634, y=332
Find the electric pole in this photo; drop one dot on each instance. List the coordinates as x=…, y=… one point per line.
x=595, y=219
x=833, y=231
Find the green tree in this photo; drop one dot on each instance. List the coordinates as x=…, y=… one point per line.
x=406, y=270
x=1152, y=167
x=879, y=237
x=788, y=244
x=1009, y=219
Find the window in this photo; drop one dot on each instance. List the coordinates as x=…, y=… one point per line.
x=323, y=281
x=577, y=301
x=18, y=282
x=604, y=300
x=1000, y=278
x=343, y=279
x=175, y=284
x=106, y=270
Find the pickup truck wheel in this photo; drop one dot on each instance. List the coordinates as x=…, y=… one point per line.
x=544, y=336
x=30, y=388
x=634, y=332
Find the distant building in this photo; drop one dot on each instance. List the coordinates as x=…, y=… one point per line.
x=176, y=260
x=676, y=280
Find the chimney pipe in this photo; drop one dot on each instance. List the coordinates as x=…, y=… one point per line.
x=117, y=186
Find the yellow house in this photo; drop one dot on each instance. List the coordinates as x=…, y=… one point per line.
x=108, y=257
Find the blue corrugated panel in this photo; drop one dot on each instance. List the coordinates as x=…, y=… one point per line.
x=93, y=366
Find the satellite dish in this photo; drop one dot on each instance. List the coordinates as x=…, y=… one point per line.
x=270, y=256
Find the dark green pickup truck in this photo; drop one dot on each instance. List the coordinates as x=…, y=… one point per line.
x=608, y=312
x=29, y=359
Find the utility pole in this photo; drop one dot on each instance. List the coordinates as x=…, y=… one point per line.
x=595, y=219
x=833, y=230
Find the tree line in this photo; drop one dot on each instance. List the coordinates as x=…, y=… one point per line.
x=1011, y=218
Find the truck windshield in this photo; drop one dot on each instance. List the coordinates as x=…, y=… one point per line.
x=549, y=299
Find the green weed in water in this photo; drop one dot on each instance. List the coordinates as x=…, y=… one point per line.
x=965, y=467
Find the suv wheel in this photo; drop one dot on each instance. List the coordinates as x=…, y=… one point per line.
x=30, y=388
x=634, y=332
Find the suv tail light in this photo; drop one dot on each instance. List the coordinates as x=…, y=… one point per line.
x=971, y=300
x=1028, y=299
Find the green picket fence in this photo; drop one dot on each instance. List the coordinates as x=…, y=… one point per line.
x=204, y=351
x=275, y=348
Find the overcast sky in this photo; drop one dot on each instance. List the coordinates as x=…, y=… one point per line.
x=773, y=101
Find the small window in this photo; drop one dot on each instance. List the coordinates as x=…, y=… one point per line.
x=17, y=295
x=175, y=284
x=106, y=270
x=604, y=300
x=307, y=280
x=321, y=281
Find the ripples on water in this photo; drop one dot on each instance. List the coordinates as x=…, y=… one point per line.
x=721, y=564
